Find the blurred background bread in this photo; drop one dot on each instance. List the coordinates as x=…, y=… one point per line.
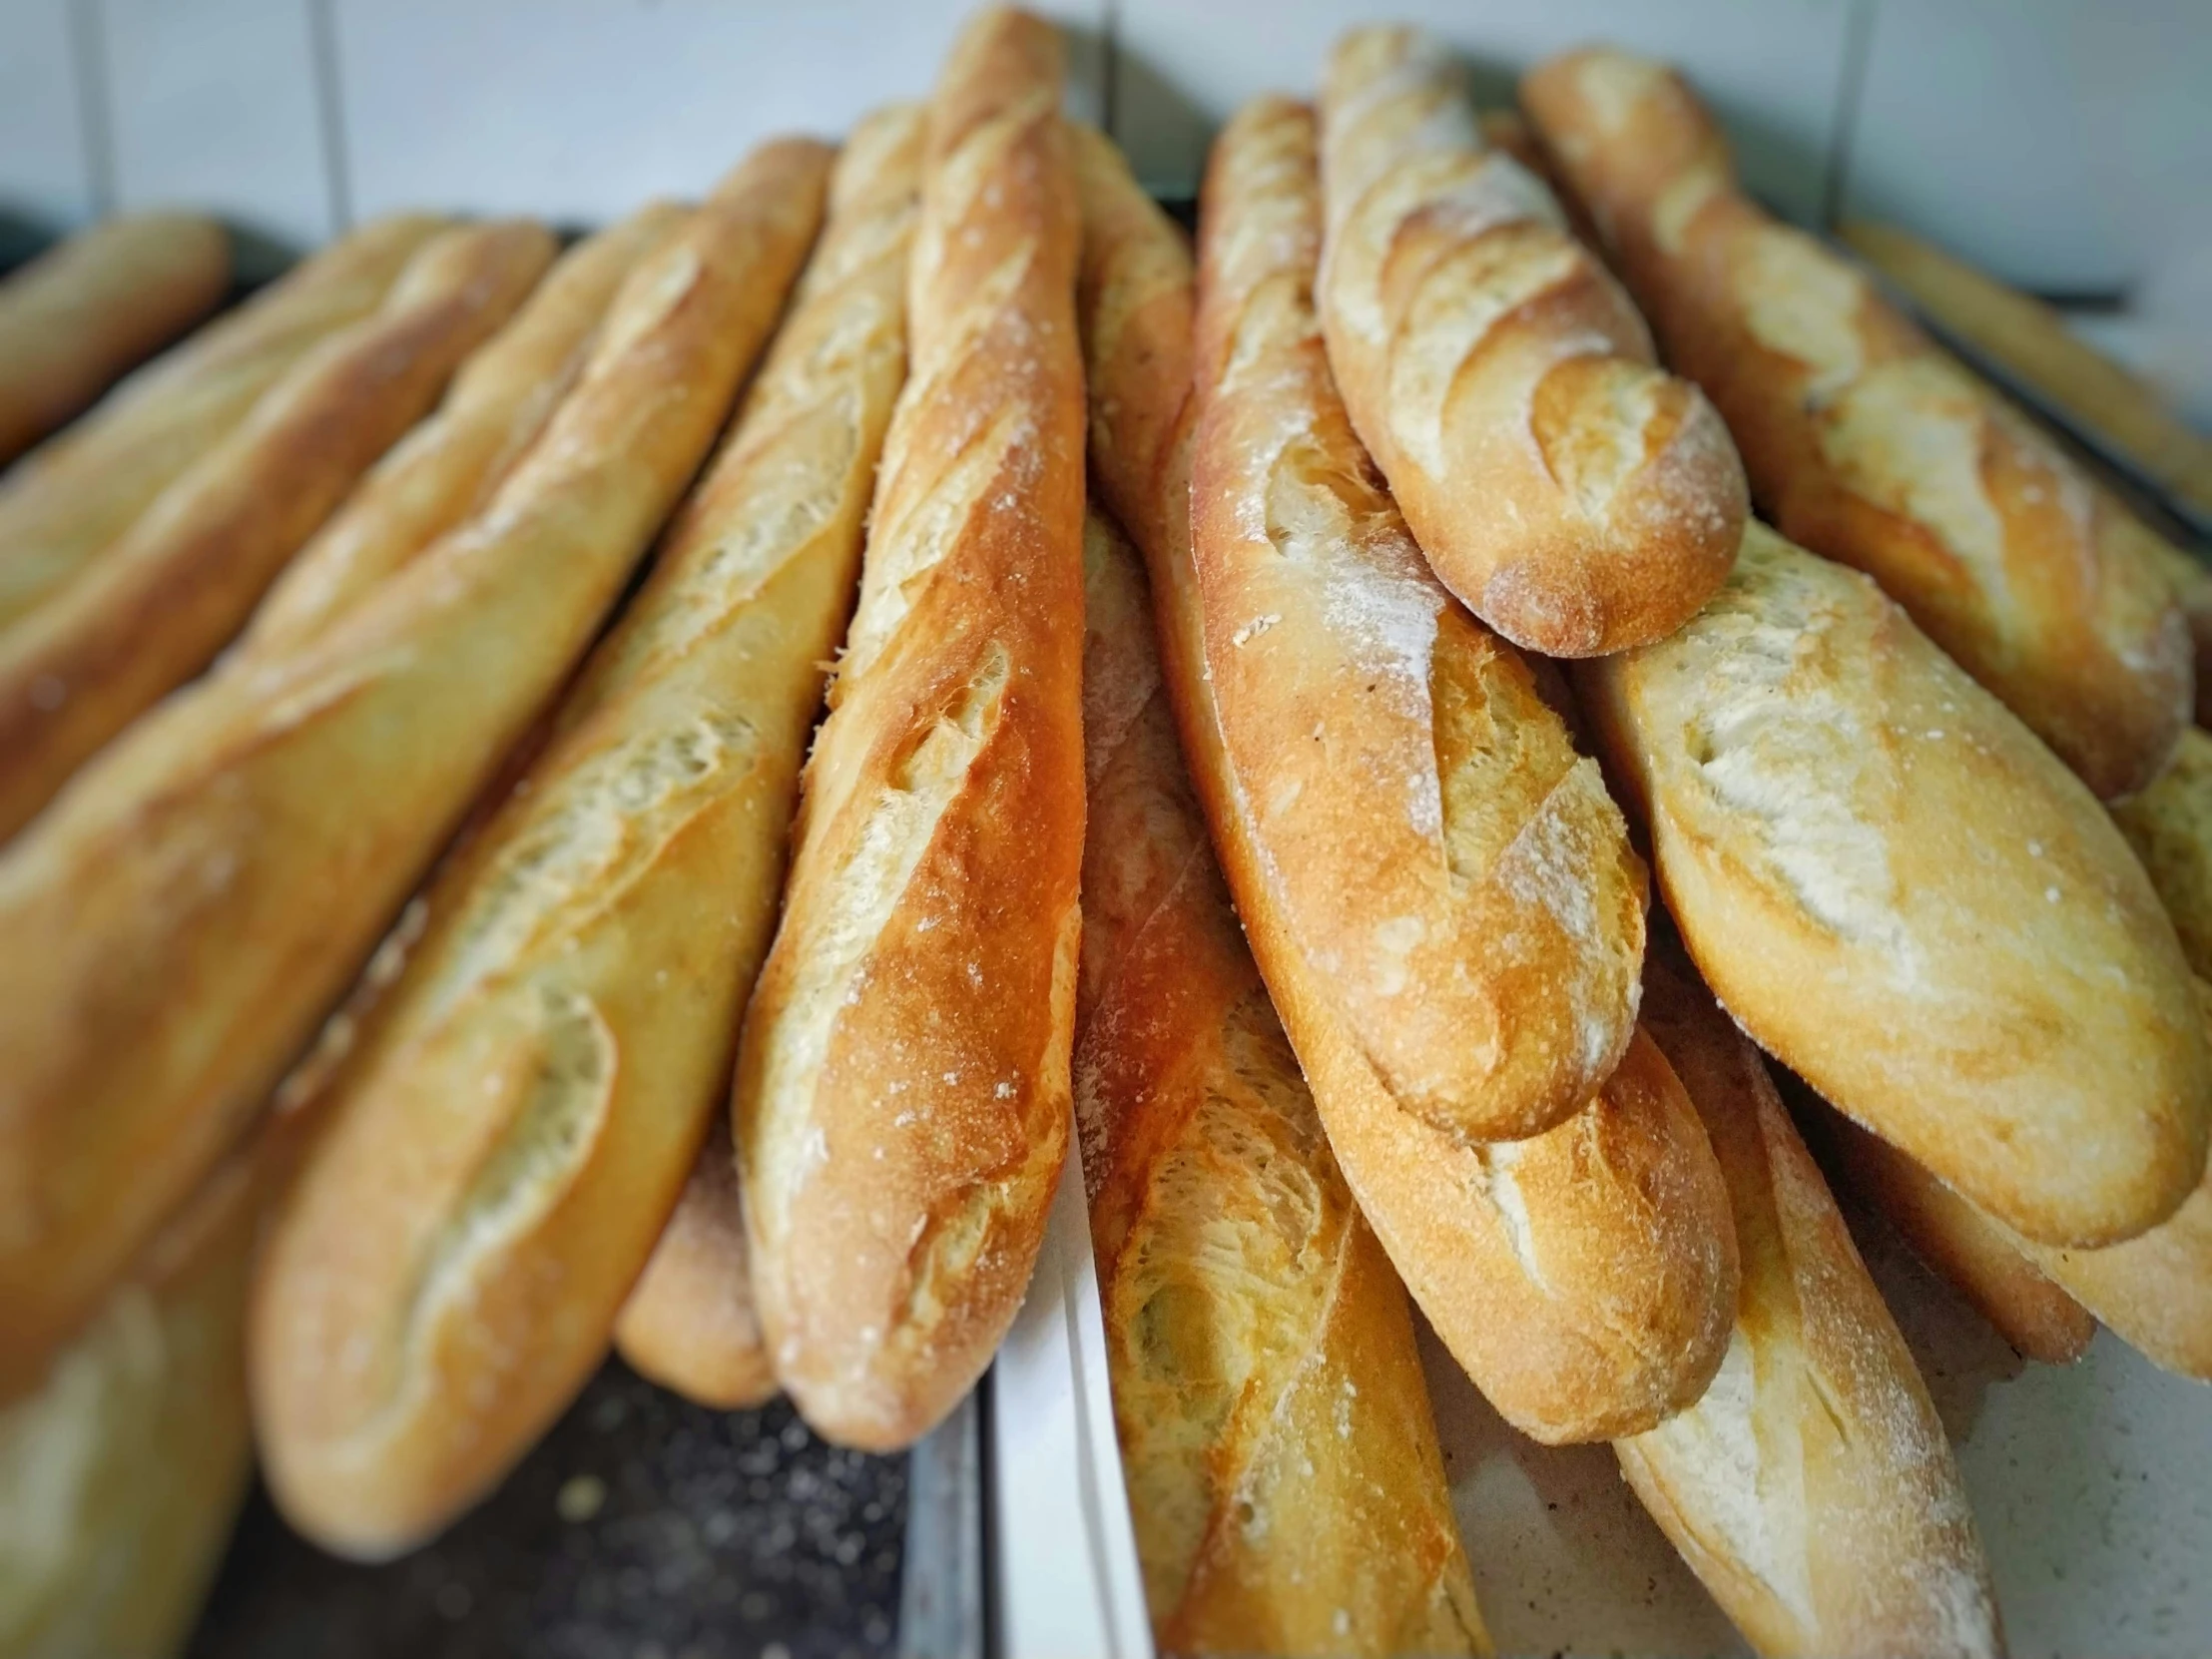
x=205, y=892
x=150, y=610
x=95, y=306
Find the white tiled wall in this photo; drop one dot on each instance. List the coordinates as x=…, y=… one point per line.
x=44, y=170
x=578, y=108
x=2064, y=142
x=1775, y=68
x=215, y=104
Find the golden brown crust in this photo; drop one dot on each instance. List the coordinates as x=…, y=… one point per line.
x=1282, y=1467
x=1974, y=1254
x=102, y=302
x=1903, y=895
x=688, y=1322
x=2031, y=342
x=511, y=1134
x=2155, y=1292
x=130, y=1463
x=901, y=1096
x=452, y=462
x=1865, y=443
x=2170, y=826
x=185, y=915
x=1812, y=1488
x=2192, y=585
x=62, y=505
x=153, y=608
x=1471, y=897
x=1585, y=1279
x=1578, y=498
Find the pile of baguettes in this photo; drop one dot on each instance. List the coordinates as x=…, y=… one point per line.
x=287, y=636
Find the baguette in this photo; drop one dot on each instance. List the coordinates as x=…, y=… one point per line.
x=1812, y=1488
x=1471, y=897
x=98, y=304
x=2169, y=826
x=2155, y=1292
x=181, y=920
x=688, y=1322
x=1961, y=1245
x=1284, y=1473
x=2033, y=343
x=61, y=506
x=1904, y=897
x=122, y=1476
x=444, y=470
x=151, y=610
x=520, y=1115
x=1578, y=498
x=1585, y=1279
x=901, y=1098
x=1867, y=444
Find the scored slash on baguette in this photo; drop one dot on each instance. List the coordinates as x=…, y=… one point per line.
x=902, y=1102
x=1577, y=497
x=1584, y=1279
x=1867, y=444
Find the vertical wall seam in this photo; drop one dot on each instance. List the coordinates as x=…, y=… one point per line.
x=337, y=168
x=88, y=62
x=1851, y=92
x=1109, y=100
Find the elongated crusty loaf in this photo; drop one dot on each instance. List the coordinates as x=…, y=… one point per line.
x=1586, y=1278
x=1812, y=1488
x=1904, y=897
x=523, y=1109
x=151, y=610
x=62, y=505
x=2031, y=342
x=1981, y=1261
x=1282, y=1467
x=688, y=1322
x=1577, y=497
x=901, y=1100
x=450, y=464
x=1439, y=852
x=122, y=1475
x=200, y=895
x=2170, y=826
x=96, y=305
x=1865, y=443
x=2155, y=1292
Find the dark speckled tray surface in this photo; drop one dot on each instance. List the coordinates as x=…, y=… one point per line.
x=640, y=1527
